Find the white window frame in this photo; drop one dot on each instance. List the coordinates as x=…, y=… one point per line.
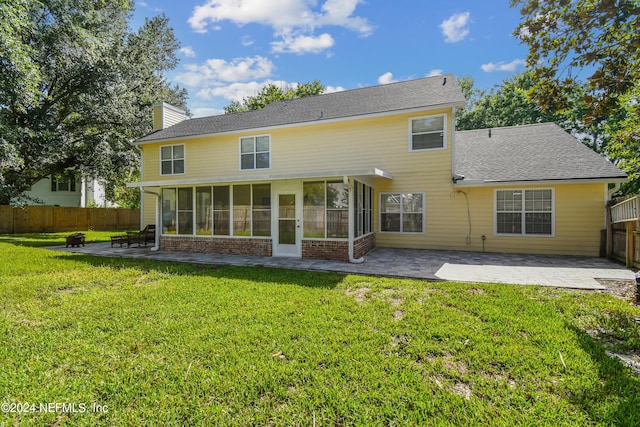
x=255, y=152
x=232, y=188
x=70, y=180
x=524, y=212
x=445, y=133
x=184, y=159
x=401, y=193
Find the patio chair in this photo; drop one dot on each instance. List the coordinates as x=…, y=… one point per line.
x=143, y=236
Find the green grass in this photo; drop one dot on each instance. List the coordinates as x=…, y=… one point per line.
x=179, y=344
x=56, y=239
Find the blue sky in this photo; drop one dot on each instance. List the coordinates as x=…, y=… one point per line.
x=231, y=48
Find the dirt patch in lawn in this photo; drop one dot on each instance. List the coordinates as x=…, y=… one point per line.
x=359, y=293
x=624, y=289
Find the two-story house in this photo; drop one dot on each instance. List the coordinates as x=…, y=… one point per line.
x=68, y=190
x=333, y=176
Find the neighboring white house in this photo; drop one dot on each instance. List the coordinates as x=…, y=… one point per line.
x=68, y=191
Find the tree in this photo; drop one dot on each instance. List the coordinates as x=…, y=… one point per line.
x=76, y=88
x=505, y=105
x=271, y=93
x=596, y=44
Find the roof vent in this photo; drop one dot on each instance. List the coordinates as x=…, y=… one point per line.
x=489, y=133
x=444, y=82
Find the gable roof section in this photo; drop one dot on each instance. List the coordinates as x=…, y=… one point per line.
x=539, y=152
x=427, y=93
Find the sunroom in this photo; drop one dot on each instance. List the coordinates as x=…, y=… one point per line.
x=323, y=216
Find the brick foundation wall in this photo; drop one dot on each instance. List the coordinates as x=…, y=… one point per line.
x=364, y=245
x=332, y=250
x=220, y=246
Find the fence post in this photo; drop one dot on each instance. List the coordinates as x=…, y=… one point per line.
x=629, y=251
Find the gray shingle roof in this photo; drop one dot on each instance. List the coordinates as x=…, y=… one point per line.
x=429, y=92
x=539, y=152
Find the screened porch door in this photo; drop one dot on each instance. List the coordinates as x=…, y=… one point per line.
x=288, y=233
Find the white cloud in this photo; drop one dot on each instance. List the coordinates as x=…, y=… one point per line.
x=456, y=28
x=333, y=89
x=501, y=66
x=206, y=112
x=187, y=51
x=291, y=20
x=214, y=71
x=338, y=12
x=238, y=91
x=247, y=41
x=303, y=44
x=386, y=78
x=274, y=13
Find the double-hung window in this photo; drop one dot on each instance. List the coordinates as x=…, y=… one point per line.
x=63, y=183
x=402, y=212
x=255, y=152
x=427, y=133
x=172, y=159
x=524, y=212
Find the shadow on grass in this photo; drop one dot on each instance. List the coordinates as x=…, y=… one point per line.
x=38, y=240
x=620, y=390
x=281, y=276
x=34, y=240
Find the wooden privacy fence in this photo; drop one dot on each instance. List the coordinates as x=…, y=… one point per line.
x=623, y=231
x=42, y=219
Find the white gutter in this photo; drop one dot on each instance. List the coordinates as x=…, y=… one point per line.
x=349, y=181
x=487, y=183
x=369, y=172
x=156, y=246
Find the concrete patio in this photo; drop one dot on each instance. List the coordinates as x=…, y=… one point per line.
x=545, y=270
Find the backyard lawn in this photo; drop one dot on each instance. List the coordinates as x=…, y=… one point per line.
x=153, y=343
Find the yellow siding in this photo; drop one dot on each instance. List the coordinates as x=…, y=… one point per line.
x=149, y=212
x=579, y=216
x=171, y=117
x=380, y=142
x=165, y=115
x=157, y=117
x=384, y=143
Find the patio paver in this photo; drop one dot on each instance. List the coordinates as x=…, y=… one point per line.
x=545, y=270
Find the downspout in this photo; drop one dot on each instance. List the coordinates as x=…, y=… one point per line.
x=614, y=190
x=349, y=182
x=141, y=177
x=156, y=247
x=454, y=176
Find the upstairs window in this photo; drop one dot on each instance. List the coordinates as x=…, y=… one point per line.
x=255, y=152
x=427, y=133
x=63, y=183
x=172, y=159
